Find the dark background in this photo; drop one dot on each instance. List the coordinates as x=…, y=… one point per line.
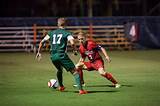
x=79, y=8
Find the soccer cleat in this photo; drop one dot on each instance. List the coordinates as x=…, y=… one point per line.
x=82, y=92
x=75, y=85
x=117, y=85
x=61, y=88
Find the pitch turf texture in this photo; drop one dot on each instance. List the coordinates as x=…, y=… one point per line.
x=23, y=81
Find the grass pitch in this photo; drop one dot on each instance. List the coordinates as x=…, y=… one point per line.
x=23, y=81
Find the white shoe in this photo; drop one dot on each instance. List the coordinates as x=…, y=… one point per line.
x=117, y=85
x=77, y=85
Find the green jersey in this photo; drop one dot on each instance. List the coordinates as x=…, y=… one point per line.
x=58, y=42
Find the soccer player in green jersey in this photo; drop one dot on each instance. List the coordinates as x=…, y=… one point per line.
x=58, y=42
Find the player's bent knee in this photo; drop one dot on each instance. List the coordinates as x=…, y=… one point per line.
x=79, y=64
x=101, y=71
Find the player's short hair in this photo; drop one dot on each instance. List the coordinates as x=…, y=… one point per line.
x=61, y=21
x=80, y=32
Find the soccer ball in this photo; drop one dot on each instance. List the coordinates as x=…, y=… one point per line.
x=53, y=83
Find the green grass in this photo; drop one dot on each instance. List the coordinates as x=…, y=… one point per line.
x=23, y=81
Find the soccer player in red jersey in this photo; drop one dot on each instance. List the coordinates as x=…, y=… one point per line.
x=88, y=48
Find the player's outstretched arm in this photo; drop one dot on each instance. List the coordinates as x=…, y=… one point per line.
x=38, y=55
x=105, y=54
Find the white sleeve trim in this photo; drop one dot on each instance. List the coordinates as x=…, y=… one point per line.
x=70, y=37
x=46, y=38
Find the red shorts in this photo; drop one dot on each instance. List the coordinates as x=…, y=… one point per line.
x=94, y=65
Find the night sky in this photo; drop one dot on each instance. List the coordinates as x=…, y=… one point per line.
x=78, y=8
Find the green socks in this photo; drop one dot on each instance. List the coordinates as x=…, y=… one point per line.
x=60, y=78
x=78, y=81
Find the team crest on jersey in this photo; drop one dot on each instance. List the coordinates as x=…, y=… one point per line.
x=88, y=52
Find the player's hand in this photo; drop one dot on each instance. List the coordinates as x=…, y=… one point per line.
x=38, y=56
x=108, y=59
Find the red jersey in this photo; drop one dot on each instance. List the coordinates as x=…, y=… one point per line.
x=90, y=49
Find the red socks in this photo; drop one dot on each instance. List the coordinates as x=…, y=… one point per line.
x=109, y=77
x=81, y=75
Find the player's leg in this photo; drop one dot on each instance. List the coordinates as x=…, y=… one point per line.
x=81, y=78
x=99, y=65
x=80, y=66
x=69, y=66
x=108, y=76
x=78, y=81
x=59, y=74
x=83, y=66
